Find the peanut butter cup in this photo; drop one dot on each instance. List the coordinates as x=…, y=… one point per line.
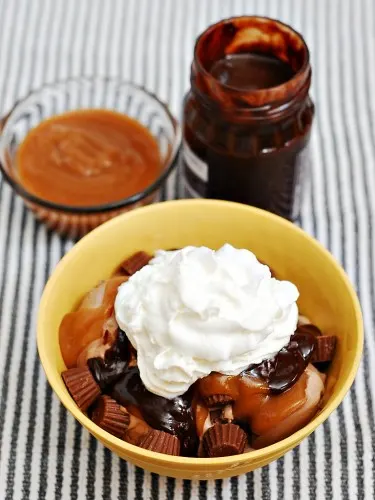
x=109, y=415
x=310, y=329
x=134, y=263
x=218, y=400
x=217, y=416
x=81, y=386
x=324, y=349
x=161, y=442
x=223, y=440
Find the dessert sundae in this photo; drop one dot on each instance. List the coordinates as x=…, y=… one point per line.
x=195, y=352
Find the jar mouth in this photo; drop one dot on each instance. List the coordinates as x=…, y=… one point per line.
x=251, y=35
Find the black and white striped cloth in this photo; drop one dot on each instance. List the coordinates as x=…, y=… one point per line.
x=45, y=454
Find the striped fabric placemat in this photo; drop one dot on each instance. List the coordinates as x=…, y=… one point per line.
x=45, y=454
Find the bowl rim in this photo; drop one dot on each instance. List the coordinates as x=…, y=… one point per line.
x=105, y=207
x=276, y=449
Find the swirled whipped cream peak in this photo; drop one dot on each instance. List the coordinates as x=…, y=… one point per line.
x=194, y=311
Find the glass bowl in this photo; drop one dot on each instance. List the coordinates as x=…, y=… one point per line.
x=84, y=93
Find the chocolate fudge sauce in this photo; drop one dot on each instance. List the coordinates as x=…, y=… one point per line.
x=251, y=71
x=116, y=359
x=116, y=375
x=248, y=115
x=170, y=415
x=283, y=371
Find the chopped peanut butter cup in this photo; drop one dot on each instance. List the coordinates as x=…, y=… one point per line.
x=135, y=262
x=222, y=415
x=217, y=400
x=309, y=328
x=81, y=386
x=109, y=415
x=217, y=416
x=303, y=320
x=223, y=440
x=161, y=442
x=324, y=349
x=201, y=451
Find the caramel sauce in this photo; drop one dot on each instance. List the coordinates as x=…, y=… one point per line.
x=247, y=391
x=254, y=402
x=81, y=327
x=201, y=413
x=277, y=407
x=136, y=430
x=88, y=157
x=216, y=383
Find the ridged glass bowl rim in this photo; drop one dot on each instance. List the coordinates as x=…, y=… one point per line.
x=140, y=195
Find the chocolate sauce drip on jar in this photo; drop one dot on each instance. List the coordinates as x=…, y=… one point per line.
x=248, y=115
x=283, y=371
x=170, y=415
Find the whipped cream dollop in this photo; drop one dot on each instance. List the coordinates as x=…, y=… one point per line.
x=193, y=311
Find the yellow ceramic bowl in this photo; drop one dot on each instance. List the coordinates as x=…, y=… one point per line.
x=326, y=297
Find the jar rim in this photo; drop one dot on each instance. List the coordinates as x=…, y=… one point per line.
x=256, y=98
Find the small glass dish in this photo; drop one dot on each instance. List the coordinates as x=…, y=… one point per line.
x=87, y=93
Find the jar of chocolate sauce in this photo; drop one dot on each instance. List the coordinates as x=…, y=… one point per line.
x=248, y=115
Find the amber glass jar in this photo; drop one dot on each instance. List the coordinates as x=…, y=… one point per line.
x=248, y=115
